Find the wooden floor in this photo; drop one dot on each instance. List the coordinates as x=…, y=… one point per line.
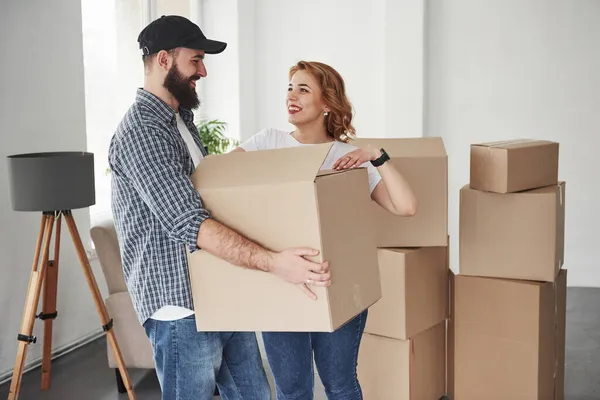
x=83, y=374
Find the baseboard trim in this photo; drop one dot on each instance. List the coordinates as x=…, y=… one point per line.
x=6, y=376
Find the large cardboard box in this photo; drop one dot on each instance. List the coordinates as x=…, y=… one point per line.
x=514, y=235
x=424, y=164
x=412, y=369
x=414, y=292
x=281, y=199
x=514, y=165
x=509, y=338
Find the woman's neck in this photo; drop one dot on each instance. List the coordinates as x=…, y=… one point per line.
x=314, y=133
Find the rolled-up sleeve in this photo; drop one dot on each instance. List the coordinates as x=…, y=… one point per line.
x=152, y=163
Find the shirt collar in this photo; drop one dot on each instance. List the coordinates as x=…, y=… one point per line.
x=162, y=109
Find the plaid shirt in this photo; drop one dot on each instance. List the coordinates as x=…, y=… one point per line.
x=156, y=209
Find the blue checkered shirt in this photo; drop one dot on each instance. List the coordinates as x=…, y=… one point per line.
x=156, y=209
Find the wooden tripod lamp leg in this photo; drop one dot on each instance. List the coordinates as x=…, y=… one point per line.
x=49, y=312
x=104, y=317
x=33, y=295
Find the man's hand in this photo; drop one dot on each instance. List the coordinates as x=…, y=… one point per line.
x=304, y=287
x=290, y=265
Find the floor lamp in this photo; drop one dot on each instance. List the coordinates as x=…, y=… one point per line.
x=53, y=184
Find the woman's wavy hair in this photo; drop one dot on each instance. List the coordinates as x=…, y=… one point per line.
x=338, y=122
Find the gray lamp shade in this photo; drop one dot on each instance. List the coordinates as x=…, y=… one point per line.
x=52, y=181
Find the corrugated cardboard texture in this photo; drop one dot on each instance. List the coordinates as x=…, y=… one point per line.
x=414, y=292
x=508, y=338
x=561, y=331
x=352, y=257
x=450, y=343
x=274, y=198
x=403, y=369
x=514, y=235
x=424, y=164
x=514, y=165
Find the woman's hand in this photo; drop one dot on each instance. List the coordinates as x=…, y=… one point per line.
x=357, y=157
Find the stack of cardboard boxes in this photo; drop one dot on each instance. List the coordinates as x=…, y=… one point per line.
x=403, y=351
x=507, y=330
x=395, y=266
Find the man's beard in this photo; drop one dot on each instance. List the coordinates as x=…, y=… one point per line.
x=180, y=88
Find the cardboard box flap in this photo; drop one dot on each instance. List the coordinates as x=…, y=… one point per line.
x=326, y=172
x=514, y=144
x=404, y=251
x=560, y=188
x=408, y=147
x=294, y=164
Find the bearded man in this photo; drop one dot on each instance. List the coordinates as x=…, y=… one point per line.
x=157, y=213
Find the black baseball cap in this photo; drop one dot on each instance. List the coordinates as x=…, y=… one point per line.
x=172, y=31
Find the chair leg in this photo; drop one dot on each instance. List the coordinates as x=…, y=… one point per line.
x=120, y=384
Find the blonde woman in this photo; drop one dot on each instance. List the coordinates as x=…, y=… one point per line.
x=320, y=111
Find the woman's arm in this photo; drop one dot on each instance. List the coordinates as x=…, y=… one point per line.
x=393, y=192
x=258, y=141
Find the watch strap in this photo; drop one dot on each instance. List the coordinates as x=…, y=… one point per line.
x=381, y=160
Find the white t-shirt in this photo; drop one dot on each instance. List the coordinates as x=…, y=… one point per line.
x=169, y=312
x=193, y=148
x=270, y=138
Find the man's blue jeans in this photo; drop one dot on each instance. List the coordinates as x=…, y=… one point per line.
x=290, y=356
x=189, y=363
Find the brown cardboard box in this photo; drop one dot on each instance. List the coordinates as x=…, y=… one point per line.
x=403, y=369
x=279, y=199
x=514, y=165
x=424, y=164
x=561, y=332
x=450, y=343
x=414, y=292
x=509, y=338
x=514, y=235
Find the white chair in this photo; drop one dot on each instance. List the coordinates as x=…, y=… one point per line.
x=133, y=342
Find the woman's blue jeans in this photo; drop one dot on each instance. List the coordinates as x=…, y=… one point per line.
x=290, y=356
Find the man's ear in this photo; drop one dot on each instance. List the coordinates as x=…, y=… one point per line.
x=163, y=60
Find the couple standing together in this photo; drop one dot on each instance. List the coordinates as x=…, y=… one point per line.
x=157, y=212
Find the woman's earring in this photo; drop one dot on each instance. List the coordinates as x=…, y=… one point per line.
x=326, y=113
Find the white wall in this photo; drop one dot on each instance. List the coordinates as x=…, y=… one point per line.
x=220, y=89
x=41, y=109
x=513, y=68
x=404, y=66
x=321, y=31
x=376, y=46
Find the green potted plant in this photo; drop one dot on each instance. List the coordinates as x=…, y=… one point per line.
x=212, y=134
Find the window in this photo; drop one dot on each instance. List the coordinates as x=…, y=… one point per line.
x=113, y=71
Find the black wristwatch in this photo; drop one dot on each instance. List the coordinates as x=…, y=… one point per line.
x=381, y=160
